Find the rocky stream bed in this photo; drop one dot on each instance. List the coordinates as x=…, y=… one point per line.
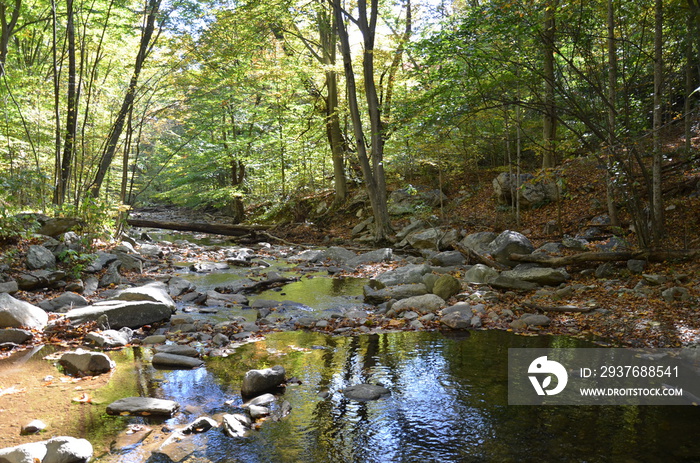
x=183, y=304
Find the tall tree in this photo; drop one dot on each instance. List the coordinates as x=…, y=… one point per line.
x=148, y=28
x=549, y=126
x=372, y=165
x=657, y=196
x=7, y=28
x=71, y=110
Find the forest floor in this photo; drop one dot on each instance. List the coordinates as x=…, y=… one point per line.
x=631, y=319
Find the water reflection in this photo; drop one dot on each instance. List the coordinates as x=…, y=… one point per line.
x=448, y=403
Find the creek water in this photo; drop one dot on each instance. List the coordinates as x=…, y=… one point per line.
x=448, y=403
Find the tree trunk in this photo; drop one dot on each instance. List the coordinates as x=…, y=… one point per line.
x=657, y=198
x=7, y=27
x=372, y=169
x=612, y=115
x=71, y=111
x=118, y=126
x=549, y=126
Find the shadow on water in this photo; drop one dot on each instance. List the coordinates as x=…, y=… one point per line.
x=448, y=403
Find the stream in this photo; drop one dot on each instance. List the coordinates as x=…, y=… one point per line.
x=448, y=400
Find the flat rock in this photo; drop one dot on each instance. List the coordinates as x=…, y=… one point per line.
x=142, y=406
x=364, y=392
x=154, y=292
x=14, y=335
x=177, y=349
x=424, y=303
x=132, y=314
x=176, y=361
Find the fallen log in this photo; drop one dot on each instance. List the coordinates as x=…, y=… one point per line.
x=202, y=227
x=594, y=257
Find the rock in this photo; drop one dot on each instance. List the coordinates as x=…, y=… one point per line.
x=448, y=259
x=365, y=392
x=130, y=262
x=531, y=191
x=111, y=338
x=143, y=405
x=424, y=303
x=457, y=320
x=480, y=274
x=15, y=314
x=407, y=274
x=14, y=335
x=33, y=427
x=433, y=238
x=575, y=243
x=132, y=314
x=216, y=299
x=62, y=449
x=10, y=287
x=446, y=286
x=478, y=242
x=552, y=249
x=83, y=363
x=413, y=226
x=112, y=276
x=156, y=292
x=393, y=292
x=263, y=400
x=102, y=260
x=177, y=349
x=178, y=286
x=236, y=425
x=676, y=293
x=378, y=255
x=539, y=275
x=66, y=300
x=605, y=270
x=164, y=360
x=151, y=250
x=58, y=225
x=508, y=283
x=257, y=411
x=154, y=339
x=535, y=319
x=256, y=382
x=40, y=258
x=28, y=281
x=507, y=243
x=636, y=266
x=654, y=280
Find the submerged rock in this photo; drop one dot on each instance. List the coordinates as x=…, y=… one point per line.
x=364, y=392
x=176, y=361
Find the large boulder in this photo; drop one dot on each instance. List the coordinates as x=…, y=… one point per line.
x=15, y=313
x=132, y=314
x=507, y=243
x=480, y=274
x=446, y=286
x=62, y=449
x=433, y=238
x=84, y=363
x=256, y=382
x=40, y=258
x=155, y=292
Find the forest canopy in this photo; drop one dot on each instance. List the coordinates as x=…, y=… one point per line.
x=109, y=104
